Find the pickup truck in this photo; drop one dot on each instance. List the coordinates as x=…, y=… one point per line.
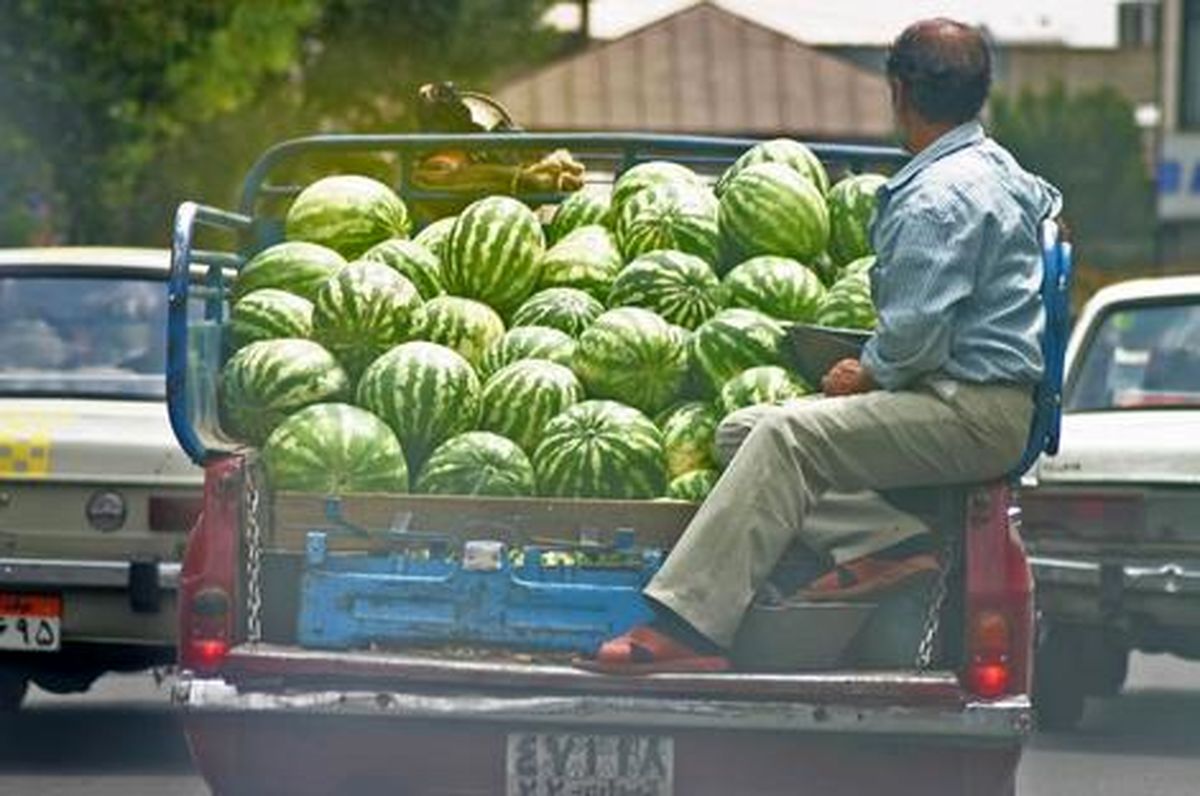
x=1112, y=518
x=263, y=714
x=96, y=498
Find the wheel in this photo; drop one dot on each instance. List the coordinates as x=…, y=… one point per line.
x=1059, y=693
x=13, y=685
x=65, y=681
x=1112, y=669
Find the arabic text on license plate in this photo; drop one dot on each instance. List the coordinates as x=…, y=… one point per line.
x=30, y=621
x=568, y=764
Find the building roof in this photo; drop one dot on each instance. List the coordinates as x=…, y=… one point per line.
x=708, y=70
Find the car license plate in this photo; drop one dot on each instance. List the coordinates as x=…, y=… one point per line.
x=569, y=764
x=30, y=622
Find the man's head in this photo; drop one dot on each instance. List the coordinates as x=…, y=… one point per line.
x=940, y=72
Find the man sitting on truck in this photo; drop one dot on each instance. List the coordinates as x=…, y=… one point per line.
x=941, y=394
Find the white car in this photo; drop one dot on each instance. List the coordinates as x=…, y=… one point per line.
x=1113, y=523
x=96, y=498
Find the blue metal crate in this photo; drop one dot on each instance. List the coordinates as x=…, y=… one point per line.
x=531, y=598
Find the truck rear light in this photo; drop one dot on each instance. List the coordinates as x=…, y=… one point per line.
x=207, y=653
x=173, y=514
x=988, y=680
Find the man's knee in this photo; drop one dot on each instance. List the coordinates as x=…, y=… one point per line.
x=734, y=429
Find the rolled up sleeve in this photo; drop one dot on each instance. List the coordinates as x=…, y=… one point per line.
x=926, y=265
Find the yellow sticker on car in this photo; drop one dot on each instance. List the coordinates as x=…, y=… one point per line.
x=26, y=443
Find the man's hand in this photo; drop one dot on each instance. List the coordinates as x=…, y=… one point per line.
x=847, y=377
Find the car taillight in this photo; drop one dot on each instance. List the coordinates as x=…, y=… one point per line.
x=173, y=513
x=207, y=583
x=1084, y=514
x=999, y=599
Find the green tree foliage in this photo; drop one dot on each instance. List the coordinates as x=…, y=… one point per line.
x=1089, y=145
x=132, y=105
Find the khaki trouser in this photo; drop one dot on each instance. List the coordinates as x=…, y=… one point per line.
x=788, y=457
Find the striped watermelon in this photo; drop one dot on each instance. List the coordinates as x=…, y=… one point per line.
x=477, y=463
x=862, y=265
x=851, y=205
x=425, y=392
x=633, y=356
x=294, y=266
x=563, y=308
x=848, y=303
x=527, y=342
x=650, y=174
x=469, y=327
x=412, y=261
x=770, y=209
x=776, y=286
x=266, y=381
x=765, y=384
x=580, y=209
x=688, y=436
x=520, y=399
x=784, y=151
x=363, y=311
x=586, y=258
x=434, y=236
x=825, y=268
x=601, y=449
x=269, y=314
x=734, y=340
x=693, y=487
x=348, y=213
x=494, y=252
x=680, y=287
x=669, y=216
x=335, y=449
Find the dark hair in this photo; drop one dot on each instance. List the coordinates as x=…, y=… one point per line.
x=945, y=66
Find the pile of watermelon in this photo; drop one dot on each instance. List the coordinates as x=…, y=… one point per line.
x=491, y=354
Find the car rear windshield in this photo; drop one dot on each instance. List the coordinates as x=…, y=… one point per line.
x=82, y=337
x=1140, y=356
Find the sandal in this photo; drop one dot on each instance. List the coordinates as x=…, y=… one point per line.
x=645, y=650
x=868, y=578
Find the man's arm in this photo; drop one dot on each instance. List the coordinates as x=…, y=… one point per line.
x=926, y=265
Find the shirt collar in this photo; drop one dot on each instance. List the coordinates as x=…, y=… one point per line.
x=965, y=135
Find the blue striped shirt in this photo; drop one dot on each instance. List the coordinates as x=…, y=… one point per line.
x=958, y=270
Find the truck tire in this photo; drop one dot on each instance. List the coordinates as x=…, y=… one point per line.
x=65, y=681
x=1059, y=693
x=13, y=685
x=1112, y=669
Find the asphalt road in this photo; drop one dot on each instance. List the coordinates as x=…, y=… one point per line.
x=121, y=740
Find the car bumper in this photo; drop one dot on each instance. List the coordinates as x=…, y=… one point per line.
x=1161, y=593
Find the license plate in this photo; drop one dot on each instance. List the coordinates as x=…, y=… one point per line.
x=30, y=622
x=569, y=764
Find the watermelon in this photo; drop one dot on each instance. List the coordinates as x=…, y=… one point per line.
x=294, y=266
x=580, y=209
x=348, y=213
x=669, y=216
x=494, y=252
x=848, y=303
x=862, y=265
x=776, y=286
x=784, y=151
x=469, y=327
x=734, y=340
x=688, y=430
x=412, y=261
x=851, y=205
x=601, y=449
x=694, y=486
x=765, y=384
x=825, y=268
x=477, y=463
x=335, y=449
x=527, y=342
x=633, y=356
x=363, y=311
x=680, y=287
x=425, y=392
x=587, y=259
x=521, y=398
x=652, y=173
x=770, y=209
x=433, y=237
x=269, y=314
x=266, y=381
x=563, y=308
